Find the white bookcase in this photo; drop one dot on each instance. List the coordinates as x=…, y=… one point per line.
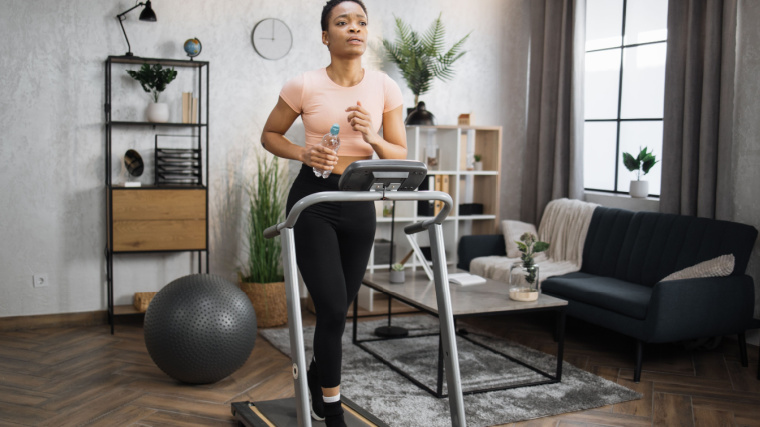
x=457, y=146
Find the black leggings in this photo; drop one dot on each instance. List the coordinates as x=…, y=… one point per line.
x=333, y=241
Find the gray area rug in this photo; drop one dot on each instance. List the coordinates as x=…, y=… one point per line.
x=398, y=402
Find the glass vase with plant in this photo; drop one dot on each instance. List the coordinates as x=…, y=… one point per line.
x=262, y=276
x=423, y=57
x=523, y=276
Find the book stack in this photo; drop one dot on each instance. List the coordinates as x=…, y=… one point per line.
x=441, y=184
x=189, y=108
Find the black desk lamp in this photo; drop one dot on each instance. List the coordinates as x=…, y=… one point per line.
x=146, y=15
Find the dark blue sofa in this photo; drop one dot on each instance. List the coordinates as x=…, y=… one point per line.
x=625, y=256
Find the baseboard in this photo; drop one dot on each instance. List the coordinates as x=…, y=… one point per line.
x=90, y=318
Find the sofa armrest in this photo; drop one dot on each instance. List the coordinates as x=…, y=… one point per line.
x=474, y=246
x=695, y=308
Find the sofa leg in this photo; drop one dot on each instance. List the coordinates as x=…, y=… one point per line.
x=639, y=354
x=743, y=349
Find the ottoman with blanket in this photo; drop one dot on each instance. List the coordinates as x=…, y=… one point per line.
x=652, y=276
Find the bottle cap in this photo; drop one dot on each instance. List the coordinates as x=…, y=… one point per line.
x=335, y=129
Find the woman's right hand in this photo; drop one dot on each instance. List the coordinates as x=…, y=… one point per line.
x=320, y=157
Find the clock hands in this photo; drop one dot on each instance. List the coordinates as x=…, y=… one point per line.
x=268, y=38
x=279, y=35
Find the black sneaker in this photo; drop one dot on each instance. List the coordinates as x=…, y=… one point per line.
x=315, y=393
x=334, y=415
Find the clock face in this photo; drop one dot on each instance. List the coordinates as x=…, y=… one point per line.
x=271, y=38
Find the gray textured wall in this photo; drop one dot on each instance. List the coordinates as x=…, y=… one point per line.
x=52, y=150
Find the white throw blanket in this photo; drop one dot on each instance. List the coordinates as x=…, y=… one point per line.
x=564, y=226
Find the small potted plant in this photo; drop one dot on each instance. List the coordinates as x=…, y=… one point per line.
x=262, y=277
x=523, y=276
x=397, y=270
x=421, y=58
x=397, y=273
x=641, y=163
x=478, y=162
x=154, y=80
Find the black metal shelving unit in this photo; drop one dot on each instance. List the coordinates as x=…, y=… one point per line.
x=200, y=135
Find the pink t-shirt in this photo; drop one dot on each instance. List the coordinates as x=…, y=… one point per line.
x=322, y=103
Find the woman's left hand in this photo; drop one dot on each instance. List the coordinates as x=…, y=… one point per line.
x=361, y=121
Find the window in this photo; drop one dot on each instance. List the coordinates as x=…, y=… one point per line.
x=624, y=90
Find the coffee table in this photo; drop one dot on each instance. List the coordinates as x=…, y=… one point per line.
x=491, y=298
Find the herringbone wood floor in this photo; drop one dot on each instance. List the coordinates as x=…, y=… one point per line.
x=85, y=376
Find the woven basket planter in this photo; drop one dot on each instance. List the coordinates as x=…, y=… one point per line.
x=269, y=301
x=142, y=299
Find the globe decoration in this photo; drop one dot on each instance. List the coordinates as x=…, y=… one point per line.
x=193, y=47
x=200, y=328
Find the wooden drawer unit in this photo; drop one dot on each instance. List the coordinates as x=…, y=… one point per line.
x=159, y=220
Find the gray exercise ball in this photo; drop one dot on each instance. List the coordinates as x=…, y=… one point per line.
x=200, y=328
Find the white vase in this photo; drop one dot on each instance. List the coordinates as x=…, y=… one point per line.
x=639, y=189
x=157, y=112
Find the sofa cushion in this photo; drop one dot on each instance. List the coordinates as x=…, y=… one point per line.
x=512, y=231
x=716, y=267
x=628, y=299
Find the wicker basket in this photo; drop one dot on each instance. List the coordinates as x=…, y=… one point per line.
x=142, y=299
x=269, y=301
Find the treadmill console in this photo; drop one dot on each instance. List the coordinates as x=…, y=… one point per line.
x=383, y=175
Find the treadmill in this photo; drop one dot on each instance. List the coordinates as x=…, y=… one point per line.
x=363, y=180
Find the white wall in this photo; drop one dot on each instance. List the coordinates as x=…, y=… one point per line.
x=52, y=149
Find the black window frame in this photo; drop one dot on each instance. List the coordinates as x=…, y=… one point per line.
x=618, y=120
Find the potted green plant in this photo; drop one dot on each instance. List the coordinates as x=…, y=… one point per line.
x=641, y=163
x=262, y=277
x=478, y=165
x=523, y=276
x=154, y=80
x=397, y=273
x=397, y=270
x=422, y=58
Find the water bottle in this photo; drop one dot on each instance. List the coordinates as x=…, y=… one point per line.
x=331, y=141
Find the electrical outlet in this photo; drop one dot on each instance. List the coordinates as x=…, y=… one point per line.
x=40, y=280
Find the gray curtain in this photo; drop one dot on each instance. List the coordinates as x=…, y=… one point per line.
x=697, y=124
x=553, y=162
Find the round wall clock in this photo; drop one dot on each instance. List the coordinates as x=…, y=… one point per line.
x=271, y=38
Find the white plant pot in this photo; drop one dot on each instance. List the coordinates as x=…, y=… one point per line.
x=639, y=189
x=397, y=276
x=478, y=166
x=157, y=112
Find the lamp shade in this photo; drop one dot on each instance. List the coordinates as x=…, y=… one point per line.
x=148, y=14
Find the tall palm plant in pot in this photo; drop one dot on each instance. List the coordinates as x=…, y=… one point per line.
x=262, y=278
x=422, y=58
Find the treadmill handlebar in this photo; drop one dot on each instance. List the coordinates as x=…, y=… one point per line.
x=361, y=196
